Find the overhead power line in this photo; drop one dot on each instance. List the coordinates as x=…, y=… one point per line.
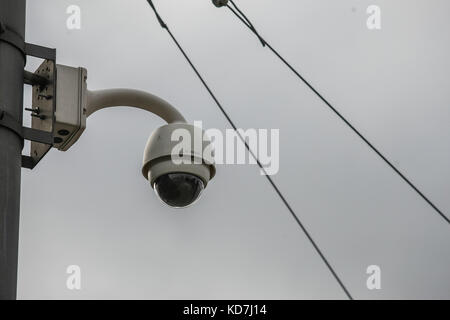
x=272, y=183
x=243, y=18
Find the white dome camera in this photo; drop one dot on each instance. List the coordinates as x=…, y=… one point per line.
x=178, y=174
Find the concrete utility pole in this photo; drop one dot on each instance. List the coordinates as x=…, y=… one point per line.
x=12, y=61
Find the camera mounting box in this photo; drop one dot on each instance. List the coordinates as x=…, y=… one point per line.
x=71, y=100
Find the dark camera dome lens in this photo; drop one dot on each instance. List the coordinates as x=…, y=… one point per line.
x=178, y=190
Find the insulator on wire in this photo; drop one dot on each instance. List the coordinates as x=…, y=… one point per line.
x=220, y=3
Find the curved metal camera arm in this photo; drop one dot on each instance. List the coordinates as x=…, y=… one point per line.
x=101, y=99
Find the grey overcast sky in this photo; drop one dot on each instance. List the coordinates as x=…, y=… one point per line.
x=91, y=207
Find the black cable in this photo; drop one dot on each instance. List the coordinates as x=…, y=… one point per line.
x=249, y=25
x=283, y=199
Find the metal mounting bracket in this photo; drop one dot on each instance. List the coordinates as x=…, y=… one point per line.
x=27, y=49
x=42, y=137
x=43, y=81
x=8, y=121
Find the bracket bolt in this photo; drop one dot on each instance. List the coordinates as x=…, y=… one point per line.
x=42, y=117
x=33, y=110
x=47, y=97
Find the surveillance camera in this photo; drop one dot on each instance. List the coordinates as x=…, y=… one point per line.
x=178, y=177
x=177, y=183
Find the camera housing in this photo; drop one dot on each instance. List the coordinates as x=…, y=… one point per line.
x=178, y=177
